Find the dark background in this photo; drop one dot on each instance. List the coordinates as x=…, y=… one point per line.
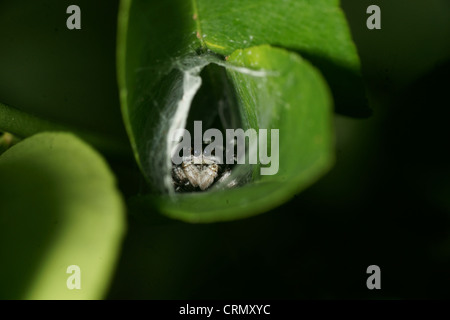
x=386, y=201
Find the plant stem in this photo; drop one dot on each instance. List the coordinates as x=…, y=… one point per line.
x=22, y=124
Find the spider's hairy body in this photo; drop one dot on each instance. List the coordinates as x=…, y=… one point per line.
x=198, y=173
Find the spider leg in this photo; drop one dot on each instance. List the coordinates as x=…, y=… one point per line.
x=208, y=175
x=192, y=173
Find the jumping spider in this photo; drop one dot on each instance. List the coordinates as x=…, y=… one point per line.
x=198, y=172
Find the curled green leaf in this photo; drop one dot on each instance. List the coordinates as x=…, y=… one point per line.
x=228, y=52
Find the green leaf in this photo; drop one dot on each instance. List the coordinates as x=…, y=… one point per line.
x=164, y=47
x=315, y=29
x=293, y=98
x=151, y=33
x=59, y=206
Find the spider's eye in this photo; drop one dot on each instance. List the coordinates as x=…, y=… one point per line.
x=197, y=152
